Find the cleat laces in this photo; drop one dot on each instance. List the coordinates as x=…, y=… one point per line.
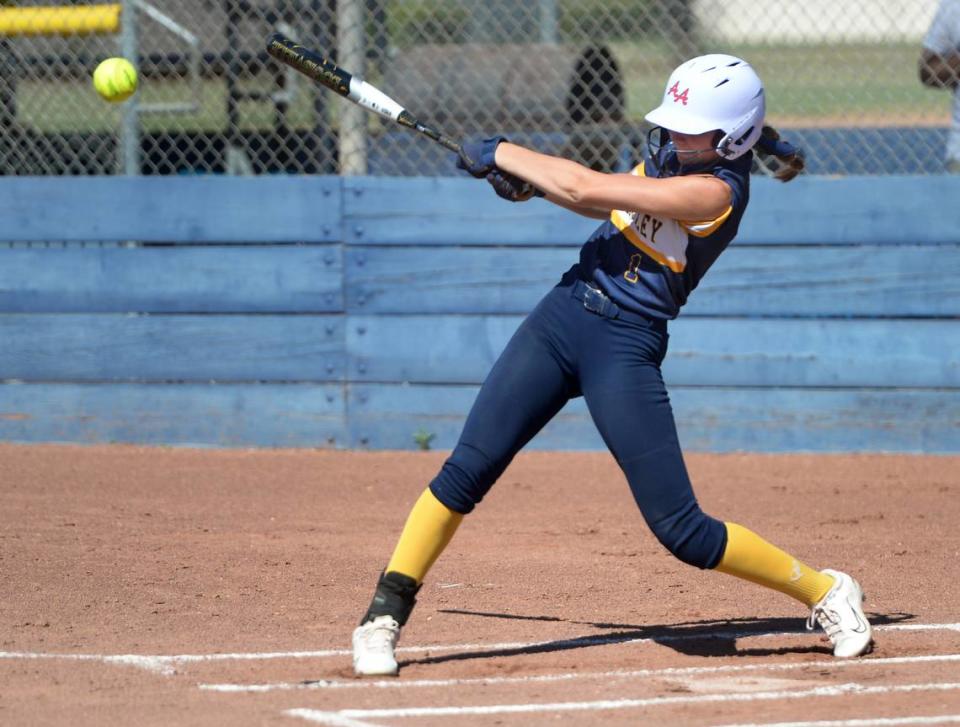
x=380, y=636
x=828, y=619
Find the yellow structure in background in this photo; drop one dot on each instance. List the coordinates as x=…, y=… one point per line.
x=60, y=20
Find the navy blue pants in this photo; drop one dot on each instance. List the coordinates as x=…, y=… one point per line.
x=563, y=350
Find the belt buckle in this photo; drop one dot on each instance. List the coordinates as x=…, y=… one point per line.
x=594, y=300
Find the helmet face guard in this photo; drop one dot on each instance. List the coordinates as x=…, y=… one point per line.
x=715, y=92
x=669, y=160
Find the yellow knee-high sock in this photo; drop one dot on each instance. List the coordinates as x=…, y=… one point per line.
x=752, y=558
x=429, y=528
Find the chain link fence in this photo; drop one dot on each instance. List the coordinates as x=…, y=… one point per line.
x=572, y=77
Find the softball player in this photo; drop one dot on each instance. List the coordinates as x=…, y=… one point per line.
x=601, y=333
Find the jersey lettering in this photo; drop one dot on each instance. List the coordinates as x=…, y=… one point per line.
x=663, y=240
x=655, y=225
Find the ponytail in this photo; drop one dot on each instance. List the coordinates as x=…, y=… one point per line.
x=783, y=158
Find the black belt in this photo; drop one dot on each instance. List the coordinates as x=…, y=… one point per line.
x=596, y=301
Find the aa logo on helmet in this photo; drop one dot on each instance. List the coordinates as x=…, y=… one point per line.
x=677, y=95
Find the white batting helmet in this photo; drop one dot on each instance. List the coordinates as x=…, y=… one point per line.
x=714, y=92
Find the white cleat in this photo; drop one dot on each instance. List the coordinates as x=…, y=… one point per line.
x=840, y=613
x=373, y=646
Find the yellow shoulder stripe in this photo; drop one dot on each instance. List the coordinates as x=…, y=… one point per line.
x=707, y=227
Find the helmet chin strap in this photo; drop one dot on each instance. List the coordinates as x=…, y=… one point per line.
x=681, y=152
x=694, y=151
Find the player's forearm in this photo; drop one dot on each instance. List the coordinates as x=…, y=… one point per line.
x=596, y=214
x=940, y=71
x=560, y=179
x=694, y=197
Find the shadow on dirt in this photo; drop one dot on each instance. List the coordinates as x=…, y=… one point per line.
x=695, y=638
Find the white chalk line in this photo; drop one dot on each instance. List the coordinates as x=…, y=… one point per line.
x=574, y=676
x=328, y=718
x=166, y=664
x=870, y=722
x=839, y=690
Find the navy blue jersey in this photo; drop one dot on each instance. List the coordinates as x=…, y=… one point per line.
x=650, y=264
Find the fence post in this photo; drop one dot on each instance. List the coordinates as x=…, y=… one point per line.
x=350, y=56
x=549, y=21
x=129, y=158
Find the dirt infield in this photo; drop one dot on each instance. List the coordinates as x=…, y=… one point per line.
x=191, y=587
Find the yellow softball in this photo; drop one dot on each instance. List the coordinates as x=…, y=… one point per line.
x=115, y=79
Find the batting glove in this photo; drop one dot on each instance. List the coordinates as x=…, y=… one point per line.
x=511, y=188
x=477, y=157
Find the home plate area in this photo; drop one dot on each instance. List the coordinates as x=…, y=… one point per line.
x=880, y=690
x=912, y=678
